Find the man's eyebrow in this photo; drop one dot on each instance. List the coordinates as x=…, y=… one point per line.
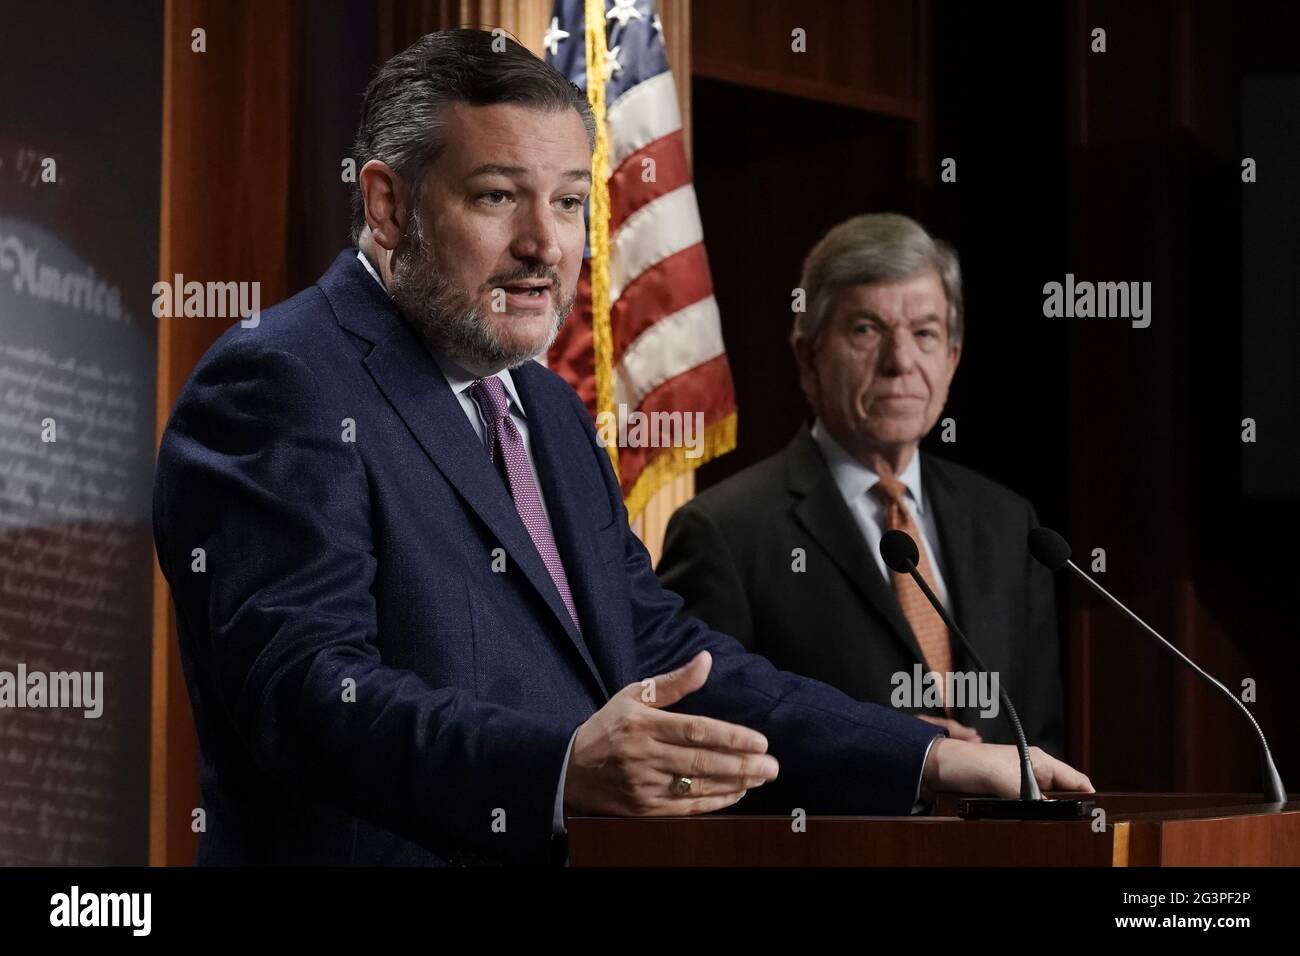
x=496, y=169
x=489, y=169
x=861, y=313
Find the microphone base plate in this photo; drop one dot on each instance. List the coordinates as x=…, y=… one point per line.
x=997, y=808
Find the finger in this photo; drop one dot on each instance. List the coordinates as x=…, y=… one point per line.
x=690, y=806
x=1053, y=774
x=1065, y=777
x=697, y=762
x=700, y=786
x=667, y=689
x=695, y=730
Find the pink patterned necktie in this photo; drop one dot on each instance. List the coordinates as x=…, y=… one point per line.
x=505, y=444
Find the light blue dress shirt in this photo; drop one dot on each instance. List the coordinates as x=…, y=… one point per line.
x=855, y=481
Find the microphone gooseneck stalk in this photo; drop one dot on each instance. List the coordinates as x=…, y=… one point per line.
x=1274, y=791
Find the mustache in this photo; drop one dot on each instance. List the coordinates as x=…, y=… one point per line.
x=538, y=271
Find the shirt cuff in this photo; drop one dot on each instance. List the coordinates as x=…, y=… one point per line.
x=557, y=820
x=918, y=805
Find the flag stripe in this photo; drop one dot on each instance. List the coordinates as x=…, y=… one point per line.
x=705, y=388
x=628, y=190
x=674, y=344
x=666, y=287
x=643, y=114
x=651, y=234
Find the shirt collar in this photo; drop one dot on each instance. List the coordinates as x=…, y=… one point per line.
x=371, y=269
x=457, y=377
x=855, y=479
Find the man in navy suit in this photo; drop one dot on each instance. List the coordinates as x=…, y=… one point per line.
x=415, y=625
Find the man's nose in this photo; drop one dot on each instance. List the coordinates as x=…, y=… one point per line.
x=536, y=236
x=898, y=354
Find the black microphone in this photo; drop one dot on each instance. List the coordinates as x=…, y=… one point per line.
x=900, y=553
x=1053, y=552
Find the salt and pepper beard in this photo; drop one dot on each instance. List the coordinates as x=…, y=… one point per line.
x=450, y=319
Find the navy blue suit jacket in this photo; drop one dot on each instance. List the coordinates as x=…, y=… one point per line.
x=366, y=688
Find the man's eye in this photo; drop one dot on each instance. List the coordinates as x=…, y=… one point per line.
x=571, y=203
x=494, y=197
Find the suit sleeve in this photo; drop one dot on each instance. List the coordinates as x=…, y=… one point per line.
x=1043, y=696
x=697, y=564
x=254, y=470
x=837, y=755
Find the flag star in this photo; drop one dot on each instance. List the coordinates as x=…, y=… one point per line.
x=658, y=26
x=612, y=66
x=623, y=11
x=553, y=37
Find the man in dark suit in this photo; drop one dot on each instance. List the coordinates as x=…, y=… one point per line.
x=414, y=623
x=784, y=556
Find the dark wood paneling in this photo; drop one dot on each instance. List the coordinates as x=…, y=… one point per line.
x=228, y=123
x=1156, y=194
x=860, y=53
x=768, y=190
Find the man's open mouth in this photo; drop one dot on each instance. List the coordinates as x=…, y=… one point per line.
x=531, y=289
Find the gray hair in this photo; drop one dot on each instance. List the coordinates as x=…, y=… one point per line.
x=882, y=247
x=402, y=109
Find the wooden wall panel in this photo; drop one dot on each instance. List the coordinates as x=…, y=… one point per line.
x=1155, y=194
x=227, y=127
x=859, y=53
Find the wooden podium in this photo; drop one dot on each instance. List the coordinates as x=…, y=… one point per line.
x=1142, y=829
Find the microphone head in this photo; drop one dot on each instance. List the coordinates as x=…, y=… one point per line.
x=899, y=551
x=1049, y=548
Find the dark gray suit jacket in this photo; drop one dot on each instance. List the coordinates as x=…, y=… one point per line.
x=729, y=554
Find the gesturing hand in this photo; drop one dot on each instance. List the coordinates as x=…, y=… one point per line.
x=628, y=754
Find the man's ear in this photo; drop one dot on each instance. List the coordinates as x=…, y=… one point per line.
x=956, y=358
x=386, y=201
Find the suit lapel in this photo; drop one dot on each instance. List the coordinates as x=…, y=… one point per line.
x=965, y=566
x=573, y=525
x=413, y=384
x=956, y=543
x=824, y=515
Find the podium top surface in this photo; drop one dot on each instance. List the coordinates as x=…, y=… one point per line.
x=1126, y=829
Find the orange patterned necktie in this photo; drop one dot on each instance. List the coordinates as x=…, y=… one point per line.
x=931, y=633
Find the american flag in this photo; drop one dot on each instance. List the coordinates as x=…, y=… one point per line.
x=664, y=344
